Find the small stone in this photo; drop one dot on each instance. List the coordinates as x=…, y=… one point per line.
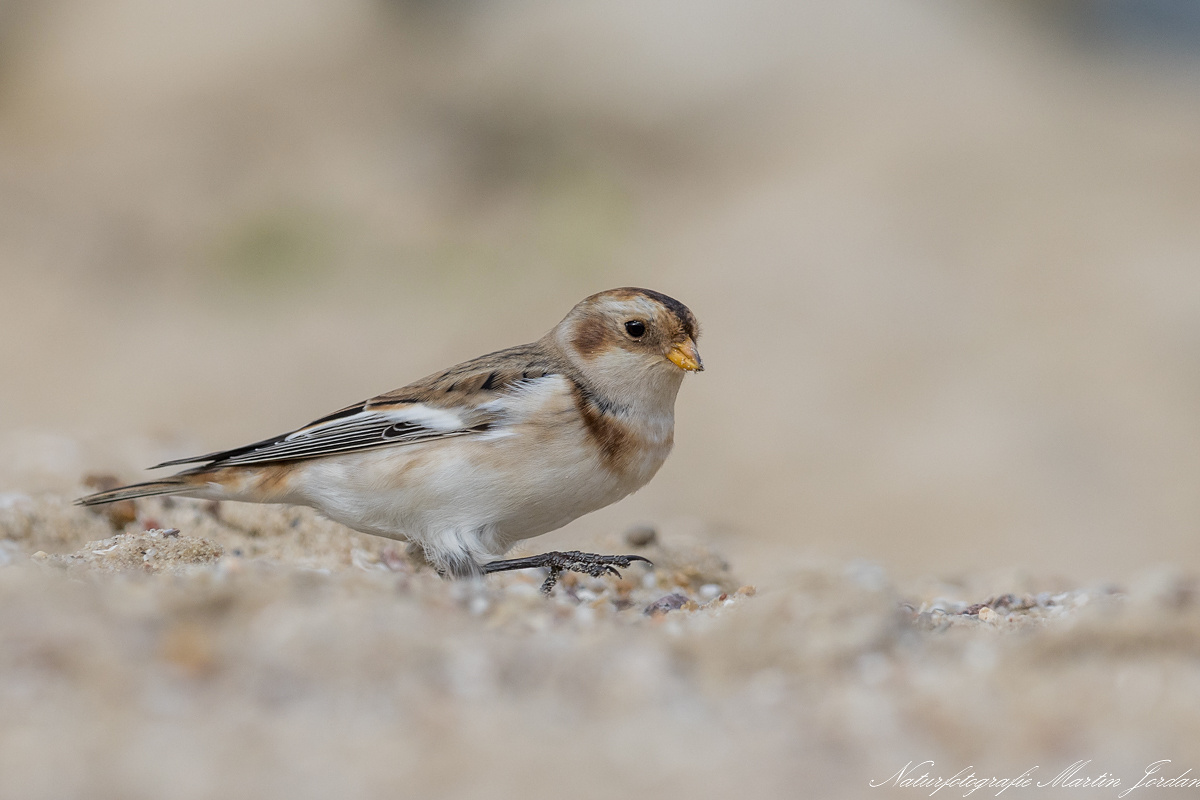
x=1005, y=601
x=666, y=604
x=641, y=536
x=709, y=590
x=988, y=615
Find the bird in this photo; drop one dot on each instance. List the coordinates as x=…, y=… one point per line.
x=467, y=462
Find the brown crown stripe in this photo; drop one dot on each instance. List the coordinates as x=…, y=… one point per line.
x=687, y=320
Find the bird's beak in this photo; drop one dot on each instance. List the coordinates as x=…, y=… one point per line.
x=685, y=356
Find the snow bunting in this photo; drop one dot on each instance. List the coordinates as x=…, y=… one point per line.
x=471, y=460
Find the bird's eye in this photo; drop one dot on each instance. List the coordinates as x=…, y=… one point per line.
x=635, y=328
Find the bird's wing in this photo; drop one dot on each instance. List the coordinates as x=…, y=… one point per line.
x=364, y=429
x=460, y=401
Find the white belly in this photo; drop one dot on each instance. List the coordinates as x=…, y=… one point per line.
x=475, y=495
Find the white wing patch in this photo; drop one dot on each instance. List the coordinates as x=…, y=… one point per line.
x=523, y=400
x=437, y=419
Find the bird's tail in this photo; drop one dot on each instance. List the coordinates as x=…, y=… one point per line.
x=148, y=489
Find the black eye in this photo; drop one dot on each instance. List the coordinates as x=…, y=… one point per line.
x=635, y=328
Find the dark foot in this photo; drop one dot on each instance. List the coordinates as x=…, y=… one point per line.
x=568, y=561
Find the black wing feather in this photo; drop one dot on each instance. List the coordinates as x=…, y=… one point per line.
x=364, y=430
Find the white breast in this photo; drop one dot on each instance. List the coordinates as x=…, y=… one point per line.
x=478, y=495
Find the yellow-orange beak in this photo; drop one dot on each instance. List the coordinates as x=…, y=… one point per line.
x=685, y=356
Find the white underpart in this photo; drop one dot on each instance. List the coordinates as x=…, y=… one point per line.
x=467, y=499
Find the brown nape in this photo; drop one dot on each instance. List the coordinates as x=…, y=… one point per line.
x=611, y=435
x=593, y=336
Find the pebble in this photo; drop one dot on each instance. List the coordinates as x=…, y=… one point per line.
x=668, y=603
x=641, y=535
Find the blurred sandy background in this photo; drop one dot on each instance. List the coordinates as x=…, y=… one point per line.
x=945, y=254
x=946, y=258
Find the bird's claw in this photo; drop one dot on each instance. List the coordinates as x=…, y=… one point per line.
x=558, y=562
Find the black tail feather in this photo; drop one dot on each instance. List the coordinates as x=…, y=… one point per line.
x=147, y=489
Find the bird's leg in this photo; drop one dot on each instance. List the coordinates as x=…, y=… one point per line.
x=565, y=561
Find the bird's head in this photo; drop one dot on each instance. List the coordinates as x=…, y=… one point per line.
x=625, y=335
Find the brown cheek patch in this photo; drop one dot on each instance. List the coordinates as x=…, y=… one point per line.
x=613, y=438
x=592, y=336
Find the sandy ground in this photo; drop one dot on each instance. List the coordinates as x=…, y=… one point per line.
x=261, y=652
x=944, y=255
